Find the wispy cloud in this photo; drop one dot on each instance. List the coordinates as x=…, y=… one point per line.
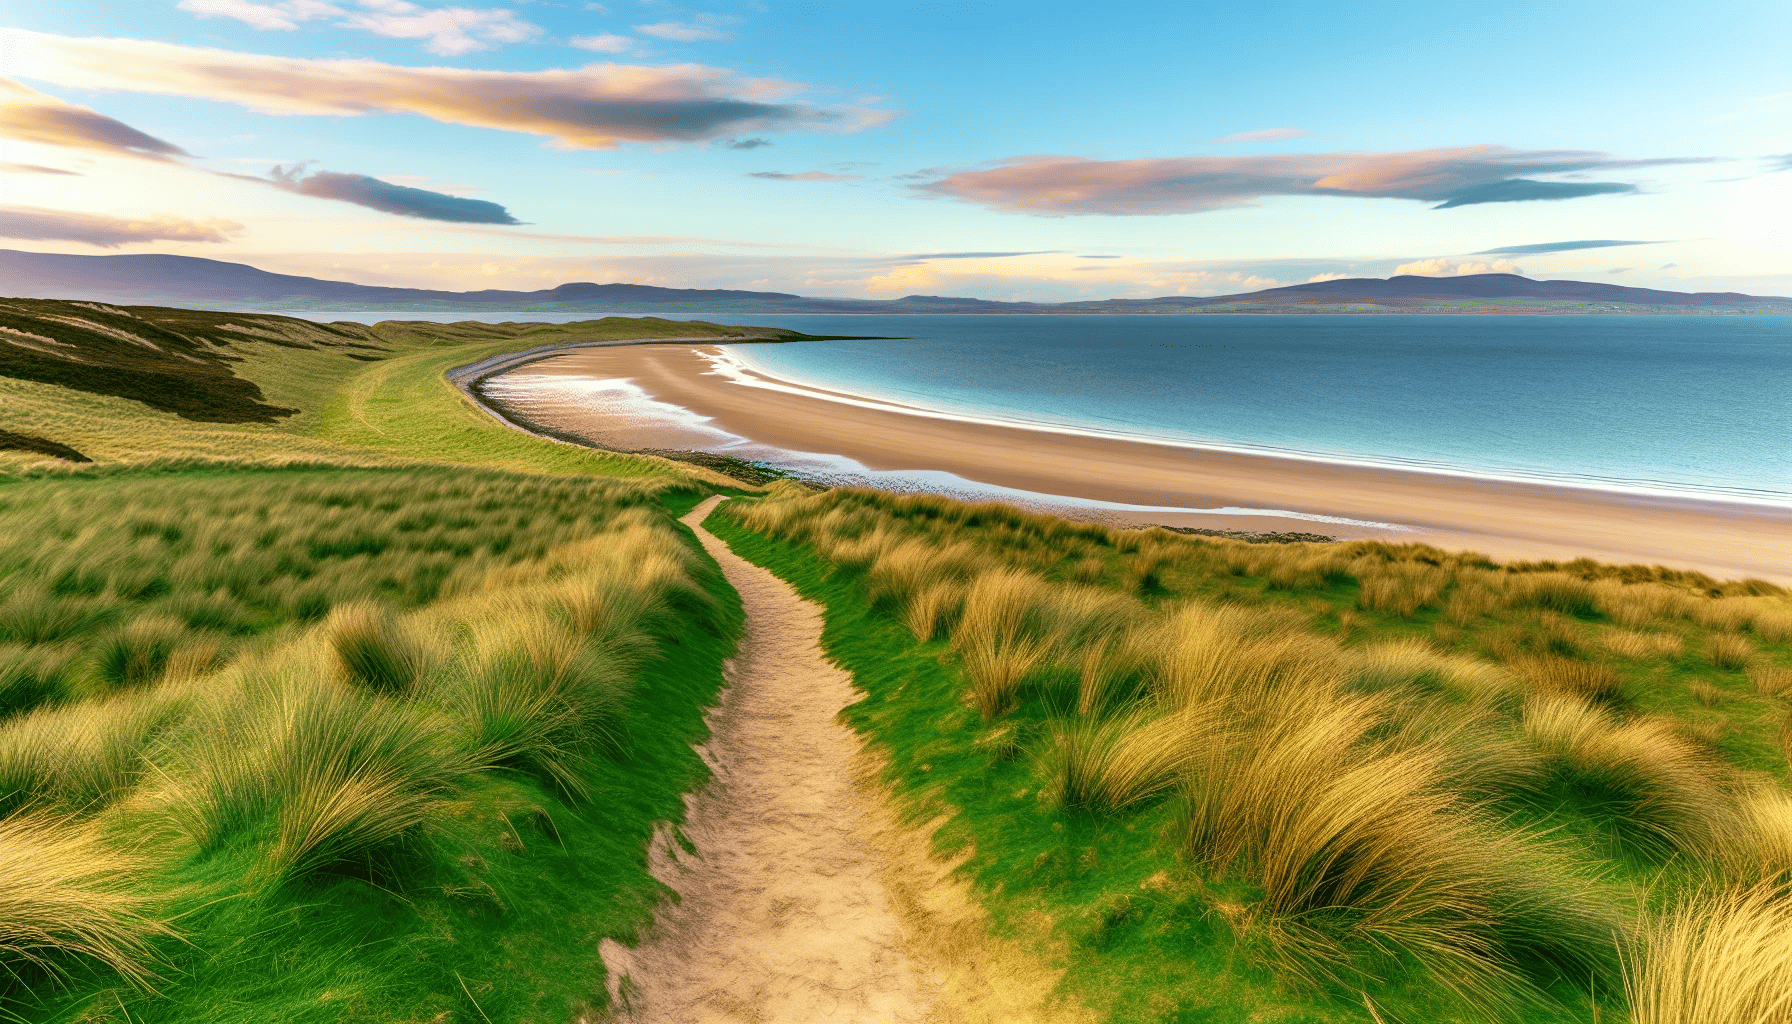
x=745, y=143
x=606, y=43
x=448, y=31
x=984, y=255
x=31, y=116
x=1541, y=247
x=36, y=169
x=371, y=192
x=1263, y=135
x=594, y=107
x=705, y=27
x=804, y=176
x=1780, y=162
x=1057, y=186
x=38, y=224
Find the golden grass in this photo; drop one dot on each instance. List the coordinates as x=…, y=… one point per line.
x=1108, y=764
x=1554, y=674
x=1639, y=646
x=1715, y=957
x=1670, y=792
x=376, y=649
x=1770, y=680
x=1730, y=651
x=69, y=898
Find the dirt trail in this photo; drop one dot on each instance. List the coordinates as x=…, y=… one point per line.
x=783, y=916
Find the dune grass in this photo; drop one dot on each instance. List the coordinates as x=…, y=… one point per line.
x=324, y=744
x=1325, y=782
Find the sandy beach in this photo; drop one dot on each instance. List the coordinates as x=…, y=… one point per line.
x=1509, y=521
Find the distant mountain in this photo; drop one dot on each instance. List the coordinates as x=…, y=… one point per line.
x=154, y=279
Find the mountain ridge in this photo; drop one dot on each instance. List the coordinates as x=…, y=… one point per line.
x=165, y=279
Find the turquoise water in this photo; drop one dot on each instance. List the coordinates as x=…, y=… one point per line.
x=1688, y=406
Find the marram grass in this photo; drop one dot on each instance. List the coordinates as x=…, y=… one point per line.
x=324, y=744
x=1360, y=781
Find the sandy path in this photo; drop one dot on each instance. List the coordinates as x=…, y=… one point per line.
x=782, y=916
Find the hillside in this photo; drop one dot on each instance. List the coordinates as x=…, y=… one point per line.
x=127, y=383
x=186, y=280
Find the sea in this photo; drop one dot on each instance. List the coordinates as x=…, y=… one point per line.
x=1674, y=406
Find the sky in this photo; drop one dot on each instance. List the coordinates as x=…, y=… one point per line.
x=1038, y=150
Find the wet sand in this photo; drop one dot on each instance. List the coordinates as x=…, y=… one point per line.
x=1509, y=521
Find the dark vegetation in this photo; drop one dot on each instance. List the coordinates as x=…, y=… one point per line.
x=14, y=441
x=178, y=361
x=1221, y=781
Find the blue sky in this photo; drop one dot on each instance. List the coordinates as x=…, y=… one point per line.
x=862, y=149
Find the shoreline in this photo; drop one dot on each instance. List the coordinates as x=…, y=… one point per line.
x=676, y=400
x=741, y=371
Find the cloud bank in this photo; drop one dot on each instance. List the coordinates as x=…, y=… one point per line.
x=1462, y=176
x=1540, y=247
x=31, y=116
x=593, y=107
x=38, y=224
x=371, y=192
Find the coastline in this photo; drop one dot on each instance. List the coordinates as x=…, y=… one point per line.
x=676, y=400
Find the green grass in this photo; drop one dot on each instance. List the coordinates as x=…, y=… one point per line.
x=276, y=390
x=1221, y=781
x=410, y=774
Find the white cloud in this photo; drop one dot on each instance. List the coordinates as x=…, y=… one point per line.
x=606, y=43
x=277, y=16
x=1439, y=266
x=682, y=32
x=1317, y=278
x=448, y=31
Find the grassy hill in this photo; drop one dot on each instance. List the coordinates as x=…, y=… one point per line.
x=127, y=384
x=325, y=696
